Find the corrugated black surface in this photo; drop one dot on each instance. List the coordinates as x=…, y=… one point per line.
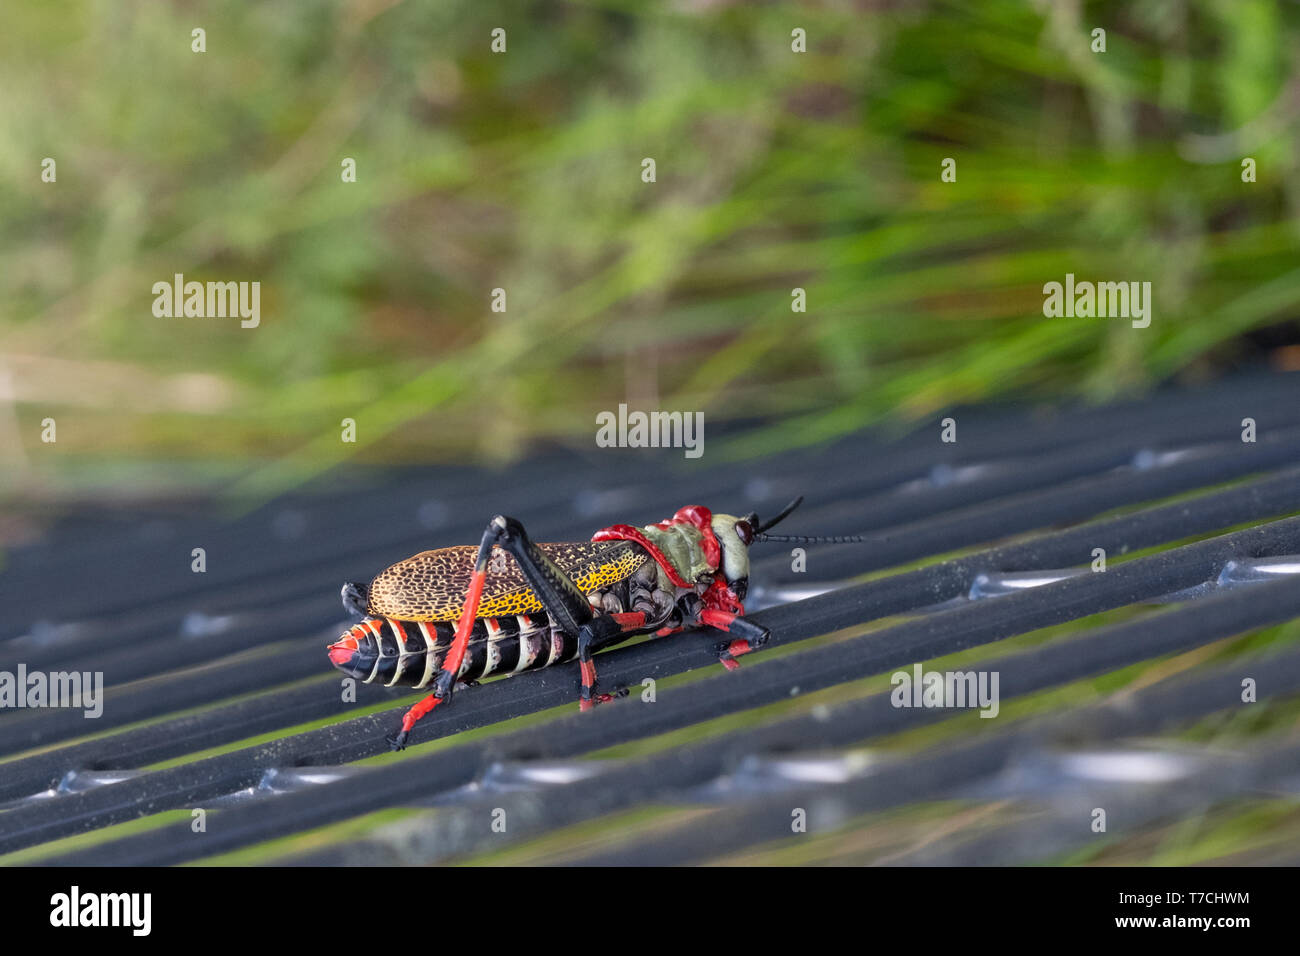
x=116, y=594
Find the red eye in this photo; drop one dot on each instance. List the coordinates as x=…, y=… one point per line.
x=745, y=533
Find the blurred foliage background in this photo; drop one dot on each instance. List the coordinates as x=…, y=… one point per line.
x=523, y=171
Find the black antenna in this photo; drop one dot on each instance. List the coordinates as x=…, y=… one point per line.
x=760, y=528
x=805, y=539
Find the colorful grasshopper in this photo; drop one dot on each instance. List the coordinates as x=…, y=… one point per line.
x=520, y=606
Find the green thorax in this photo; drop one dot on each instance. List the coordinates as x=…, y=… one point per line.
x=680, y=544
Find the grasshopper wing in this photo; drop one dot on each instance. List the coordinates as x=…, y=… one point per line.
x=431, y=585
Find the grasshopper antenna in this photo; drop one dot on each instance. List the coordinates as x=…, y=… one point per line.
x=806, y=539
x=785, y=513
x=761, y=529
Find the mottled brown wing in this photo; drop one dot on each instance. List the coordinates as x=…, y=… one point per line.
x=431, y=585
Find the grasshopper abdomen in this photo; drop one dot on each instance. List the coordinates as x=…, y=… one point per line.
x=391, y=652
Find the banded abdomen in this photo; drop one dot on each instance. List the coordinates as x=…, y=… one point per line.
x=387, y=651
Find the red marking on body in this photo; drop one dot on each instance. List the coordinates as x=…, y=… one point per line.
x=625, y=532
x=630, y=619
x=342, y=651
x=697, y=516
x=424, y=632
x=701, y=518
x=719, y=597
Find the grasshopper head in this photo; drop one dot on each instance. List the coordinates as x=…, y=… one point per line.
x=735, y=535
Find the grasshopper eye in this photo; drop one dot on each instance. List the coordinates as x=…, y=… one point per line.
x=745, y=533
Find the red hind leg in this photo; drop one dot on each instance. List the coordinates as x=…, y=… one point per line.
x=446, y=679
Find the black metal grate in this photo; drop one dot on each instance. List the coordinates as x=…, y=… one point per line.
x=207, y=661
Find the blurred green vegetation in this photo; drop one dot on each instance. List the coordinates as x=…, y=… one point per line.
x=522, y=171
